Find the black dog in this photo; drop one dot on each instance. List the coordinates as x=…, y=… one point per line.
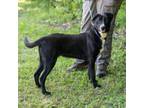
x=84, y=46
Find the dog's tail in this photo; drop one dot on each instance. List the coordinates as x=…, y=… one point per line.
x=30, y=44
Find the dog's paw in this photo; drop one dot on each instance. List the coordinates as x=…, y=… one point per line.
x=38, y=85
x=96, y=85
x=46, y=93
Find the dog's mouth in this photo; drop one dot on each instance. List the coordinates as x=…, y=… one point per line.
x=103, y=32
x=103, y=35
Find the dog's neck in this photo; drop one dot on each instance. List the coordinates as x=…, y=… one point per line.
x=99, y=36
x=102, y=35
x=96, y=36
x=95, y=31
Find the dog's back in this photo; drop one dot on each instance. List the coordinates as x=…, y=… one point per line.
x=65, y=45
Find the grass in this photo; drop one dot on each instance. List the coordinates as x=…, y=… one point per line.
x=68, y=90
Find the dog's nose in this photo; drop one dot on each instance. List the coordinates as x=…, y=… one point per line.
x=103, y=28
x=105, y=38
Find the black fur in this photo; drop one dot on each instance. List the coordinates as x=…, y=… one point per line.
x=84, y=46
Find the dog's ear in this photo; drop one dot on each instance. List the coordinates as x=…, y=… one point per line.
x=95, y=16
x=109, y=16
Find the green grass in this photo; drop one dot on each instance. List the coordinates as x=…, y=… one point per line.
x=68, y=90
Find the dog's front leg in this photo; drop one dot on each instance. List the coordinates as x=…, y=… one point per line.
x=91, y=72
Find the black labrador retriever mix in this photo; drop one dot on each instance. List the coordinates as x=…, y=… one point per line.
x=84, y=46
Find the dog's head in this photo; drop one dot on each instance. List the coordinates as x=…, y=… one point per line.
x=102, y=23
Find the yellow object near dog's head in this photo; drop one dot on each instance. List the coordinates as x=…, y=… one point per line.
x=103, y=35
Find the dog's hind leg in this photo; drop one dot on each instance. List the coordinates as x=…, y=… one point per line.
x=49, y=64
x=38, y=72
